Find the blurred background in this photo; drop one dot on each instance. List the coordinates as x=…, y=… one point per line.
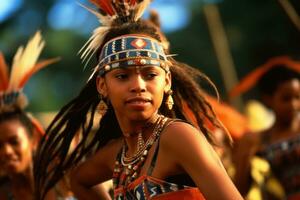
x=224, y=38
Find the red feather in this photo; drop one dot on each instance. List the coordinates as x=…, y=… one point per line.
x=104, y=5
x=132, y=2
x=3, y=73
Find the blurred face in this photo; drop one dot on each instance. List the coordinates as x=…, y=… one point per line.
x=15, y=147
x=286, y=101
x=135, y=92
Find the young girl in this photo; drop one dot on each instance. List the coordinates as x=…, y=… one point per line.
x=19, y=131
x=144, y=141
x=279, y=82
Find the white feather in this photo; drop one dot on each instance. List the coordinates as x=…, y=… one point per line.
x=25, y=59
x=90, y=47
x=140, y=9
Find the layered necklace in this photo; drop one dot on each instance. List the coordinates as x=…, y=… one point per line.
x=127, y=168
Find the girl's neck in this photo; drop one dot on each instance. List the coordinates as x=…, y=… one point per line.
x=22, y=180
x=131, y=133
x=22, y=185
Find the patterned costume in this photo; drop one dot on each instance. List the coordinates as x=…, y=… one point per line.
x=284, y=159
x=147, y=187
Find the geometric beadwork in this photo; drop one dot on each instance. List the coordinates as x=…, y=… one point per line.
x=131, y=50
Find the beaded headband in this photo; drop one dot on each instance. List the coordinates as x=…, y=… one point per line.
x=127, y=50
x=132, y=50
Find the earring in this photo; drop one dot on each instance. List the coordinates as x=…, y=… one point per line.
x=102, y=106
x=169, y=101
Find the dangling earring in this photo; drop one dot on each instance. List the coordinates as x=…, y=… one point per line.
x=169, y=101
x=102, y=106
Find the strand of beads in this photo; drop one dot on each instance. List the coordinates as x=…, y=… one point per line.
x=129, y=168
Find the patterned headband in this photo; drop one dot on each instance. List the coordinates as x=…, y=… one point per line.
x=132, y=50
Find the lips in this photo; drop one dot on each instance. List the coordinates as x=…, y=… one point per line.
x=138, y=100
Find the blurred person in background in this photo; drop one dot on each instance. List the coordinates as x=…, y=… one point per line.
x=276, y=150
x=20, y=132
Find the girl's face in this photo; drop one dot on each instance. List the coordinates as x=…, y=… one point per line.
x=286, y=101
x=135, y=92
x=15, y=147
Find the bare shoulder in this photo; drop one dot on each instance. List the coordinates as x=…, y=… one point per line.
x=182, y=138
x=178, y=132
x=189, y=149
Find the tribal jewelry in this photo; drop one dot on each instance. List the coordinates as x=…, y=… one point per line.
x=127, y=168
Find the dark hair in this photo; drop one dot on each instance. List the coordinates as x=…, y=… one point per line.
x=269, y=82
x=78, y=115
x=21, y=116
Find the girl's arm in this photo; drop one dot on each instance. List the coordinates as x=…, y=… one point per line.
x=195, y=155
x=97, y=169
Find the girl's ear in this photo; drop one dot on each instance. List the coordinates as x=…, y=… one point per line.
x=168, y=82
x=101, y=86
x=36, y=138
x=38, y=131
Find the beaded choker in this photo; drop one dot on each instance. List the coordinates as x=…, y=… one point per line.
x=128, y=168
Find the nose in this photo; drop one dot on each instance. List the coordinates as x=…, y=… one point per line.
x=138, y=84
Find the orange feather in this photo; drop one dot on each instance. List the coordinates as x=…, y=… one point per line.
x=36, y=68
x=253, y=77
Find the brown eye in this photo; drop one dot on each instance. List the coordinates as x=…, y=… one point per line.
x=151, y=75
x=121, y=76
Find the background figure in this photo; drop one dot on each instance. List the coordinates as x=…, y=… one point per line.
x=279, y=83
x=19, y=131
x=143, y=141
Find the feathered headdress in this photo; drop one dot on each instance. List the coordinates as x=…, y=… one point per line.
x=111, y=12
x=126, y=50
x=253, y=77
x=23, y=67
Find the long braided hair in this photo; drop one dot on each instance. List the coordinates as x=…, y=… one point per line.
x=76, y=119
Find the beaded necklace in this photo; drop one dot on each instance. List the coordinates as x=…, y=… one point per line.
x=127, y=168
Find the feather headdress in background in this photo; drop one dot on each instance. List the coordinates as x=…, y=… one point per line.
x=23, y=67
x=250, y=80
x=111, y=12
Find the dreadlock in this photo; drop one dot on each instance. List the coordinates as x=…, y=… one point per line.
x=76, y=119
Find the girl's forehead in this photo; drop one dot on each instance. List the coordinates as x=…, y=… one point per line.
x=12, y=129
